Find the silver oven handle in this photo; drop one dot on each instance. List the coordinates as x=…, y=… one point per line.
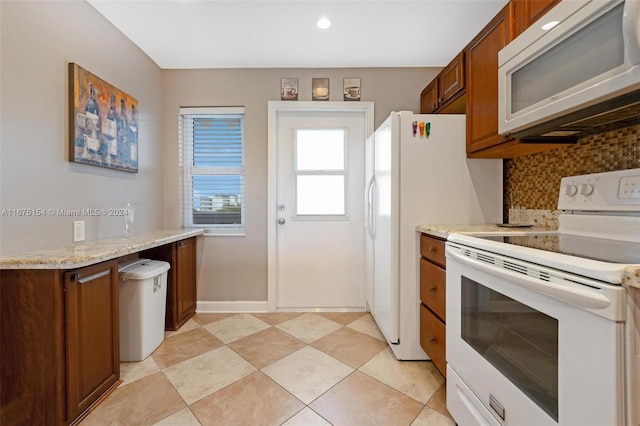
x=575, y=294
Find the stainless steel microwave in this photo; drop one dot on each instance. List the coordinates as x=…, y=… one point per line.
x=574, y=72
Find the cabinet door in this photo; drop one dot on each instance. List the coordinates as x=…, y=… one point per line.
x=433, y=249
x=432, y=339
x=429, y=98
x=93, y=347
x=529, y=11
x=451, y=80
x=185, y=282
x=482, y=81
x=433, y=280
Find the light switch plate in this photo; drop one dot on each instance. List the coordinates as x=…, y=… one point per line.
x=78, y=231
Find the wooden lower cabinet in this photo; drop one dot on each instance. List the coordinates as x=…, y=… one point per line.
x=93, y=340
x=432, y=338
x=433, y=300
x=433, y=281
x=181, y=280
x=60, y=343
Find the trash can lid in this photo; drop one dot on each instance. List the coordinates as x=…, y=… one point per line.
x=142, y=269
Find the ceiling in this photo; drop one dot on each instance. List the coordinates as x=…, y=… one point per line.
x=184, y=34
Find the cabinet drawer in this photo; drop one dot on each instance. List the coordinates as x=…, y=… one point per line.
x=432, y=249
x=432, y=338
x=433, y=281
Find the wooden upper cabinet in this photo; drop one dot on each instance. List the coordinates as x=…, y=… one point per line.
x=429, y=98
x=451, y=80
x=445, y=93
x=483, y=140
x=482, y=81
x=529, y=11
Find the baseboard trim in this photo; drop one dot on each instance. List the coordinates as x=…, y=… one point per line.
x=231, y=306
x=248, y=306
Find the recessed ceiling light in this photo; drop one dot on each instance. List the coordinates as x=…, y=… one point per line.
x=549, y=25
x=324, y=23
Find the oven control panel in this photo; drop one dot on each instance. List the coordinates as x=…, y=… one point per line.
x=608, y=191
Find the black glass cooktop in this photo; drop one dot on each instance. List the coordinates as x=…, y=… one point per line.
x=601, y=249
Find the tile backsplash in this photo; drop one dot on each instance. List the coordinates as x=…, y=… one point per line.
x=532, y=182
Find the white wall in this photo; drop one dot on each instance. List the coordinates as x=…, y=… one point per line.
x=235, y=268
x=38, y=40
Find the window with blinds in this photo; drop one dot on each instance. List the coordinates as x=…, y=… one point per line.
x=213, y=182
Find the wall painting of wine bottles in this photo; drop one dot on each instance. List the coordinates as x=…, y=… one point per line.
x=103, y=123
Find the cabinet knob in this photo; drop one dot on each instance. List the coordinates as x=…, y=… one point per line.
x=433, y=289
x=432, y=249
x=433, y=340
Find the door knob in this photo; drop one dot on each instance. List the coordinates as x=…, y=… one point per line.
x=281, y=221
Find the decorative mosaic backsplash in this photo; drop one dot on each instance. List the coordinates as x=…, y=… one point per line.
x=533, y=181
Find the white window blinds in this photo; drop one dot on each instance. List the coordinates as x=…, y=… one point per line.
x=212, y=160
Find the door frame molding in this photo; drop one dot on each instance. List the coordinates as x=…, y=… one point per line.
x=276, y=107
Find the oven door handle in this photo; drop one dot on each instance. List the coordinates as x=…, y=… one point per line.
x=575, y=294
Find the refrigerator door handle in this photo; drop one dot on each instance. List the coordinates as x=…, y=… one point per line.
x=368, y=205
x=370, y=215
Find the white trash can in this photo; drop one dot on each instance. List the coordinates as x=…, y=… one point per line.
x=143, y=301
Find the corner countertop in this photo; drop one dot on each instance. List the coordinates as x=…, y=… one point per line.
x=443, y=231
x=88, y=253
x=631, y=276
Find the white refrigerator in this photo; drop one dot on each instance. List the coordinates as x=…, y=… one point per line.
x=418, y=173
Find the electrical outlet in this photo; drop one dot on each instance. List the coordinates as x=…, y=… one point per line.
x=78, y=231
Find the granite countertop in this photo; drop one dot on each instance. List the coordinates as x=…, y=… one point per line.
x=631, y=276
x=443, y=231
x=88, y=253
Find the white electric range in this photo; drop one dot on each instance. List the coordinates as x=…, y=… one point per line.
x=542, y=328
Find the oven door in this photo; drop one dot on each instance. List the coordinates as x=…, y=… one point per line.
x=530, y=345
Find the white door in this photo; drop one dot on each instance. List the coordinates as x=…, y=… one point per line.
x=319, y=194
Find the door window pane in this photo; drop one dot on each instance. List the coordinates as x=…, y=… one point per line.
x=320, y=172
x=319, y=149
x=320, y=195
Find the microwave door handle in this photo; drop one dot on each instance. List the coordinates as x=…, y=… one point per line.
x=575, y=294
x=631, y=30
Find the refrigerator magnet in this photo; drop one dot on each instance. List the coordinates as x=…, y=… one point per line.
x=415, y=128
x=421, y=126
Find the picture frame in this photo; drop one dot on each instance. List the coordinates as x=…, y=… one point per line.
x=289, y=89
x=320, y=89
x=103, y=123
x=351, y=89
